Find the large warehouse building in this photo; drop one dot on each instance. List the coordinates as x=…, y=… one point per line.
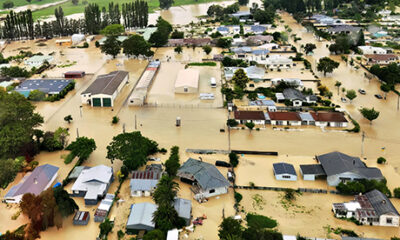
x=187, y=81
x=105, y=89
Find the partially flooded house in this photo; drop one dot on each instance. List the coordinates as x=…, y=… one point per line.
x=141, y=218
x=143, y=183
x=256, y=117
x=372, y=208
x=92, y=183
x=105, y=89
x=205, y=178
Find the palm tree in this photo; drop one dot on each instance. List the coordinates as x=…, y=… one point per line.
x=166, y=191
x=338, y=84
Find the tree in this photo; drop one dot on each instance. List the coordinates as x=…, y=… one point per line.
x=177, y=35
x=224, y=42
x=243, y=2
x=8, y=170
x=36, y=95
x=207, y=49
x=381, y=160
x=230, y=228
x=113, y=30
x=53, y=141
x=266, y=16
x=233, y=159
x=166, y=191
x=386, y=88
x=135, y=46
x=82, y=147
x=240, y=78
x=166, y=4
x=351, y=94
x=369, y=113
x=231, y=123
x=309, y=48
x=160, y=37
x=68, y=118
x=361, y=38
x=155, y=234
x=178, y=49
x=338, y=84
x=172, y=164
x=131, y=148
x=111, y=46
x=250, y=125
x=396, y=192
x=66, y=205
x=256, y=221
x=17, y=121
x=8, y=4
x=327, y=65
x=105, y=228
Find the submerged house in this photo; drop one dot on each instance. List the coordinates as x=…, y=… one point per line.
x=184, y=209
x=39, y=180
x=372, y=208
x=339, y=167
x=93, y=183
x=143, y=183
x=284, y=171
x=187, y=81
x=205, y=178
x=141, y=217
x=297, y=98
x=256, y=117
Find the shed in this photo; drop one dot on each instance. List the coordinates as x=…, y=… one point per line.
x=77, y=38
x=141, y=217
x=284, y=171
x=173, y=234
x=312, y=171
x=187, y=81
x=74, y=74
x=81, y=218
x=184, y=209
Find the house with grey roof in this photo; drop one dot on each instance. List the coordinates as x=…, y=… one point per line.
x=105, y=89
x=372, y=208
x=340, y=167
x=93, y=183
x=284, y=171
x=204, y=177
x=184, y=209
x=41, y=178
x=343, y=29
x=143, y=183
x=141, y=217
x=297, y=98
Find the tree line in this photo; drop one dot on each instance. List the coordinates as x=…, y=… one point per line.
x=22, y=26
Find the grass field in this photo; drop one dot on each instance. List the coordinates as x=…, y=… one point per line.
x=69, y=8
x=19, y=3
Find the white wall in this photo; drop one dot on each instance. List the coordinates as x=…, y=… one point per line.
x=383, y=220
x=207, y=194
x=282, y=177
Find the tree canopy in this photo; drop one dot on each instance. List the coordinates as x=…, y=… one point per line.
x=160, y=37
x=82, y=147
x=172, y=164
x=369, y=113
x=132, y=149
x=135, y=46
x=327, y=65
x=351, y=94
x=111, y=46
x=113, y=30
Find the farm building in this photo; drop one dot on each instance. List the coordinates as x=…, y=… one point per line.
x=284, y=171
x=184, y=209
x=187, y=81
x=105, y=89
x=93, y=183
x=141, y=217
x=38, y=60
x=39, y=180
x=81, y=218
x=74, y=74
x=139, y=94
x=104, y=207
x=48, y=86
x=204, y=177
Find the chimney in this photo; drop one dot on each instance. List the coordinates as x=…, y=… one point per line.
x=383, y=201
x=35, y=181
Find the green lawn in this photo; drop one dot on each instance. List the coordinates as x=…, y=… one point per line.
x=69, y=8
x=18, y=3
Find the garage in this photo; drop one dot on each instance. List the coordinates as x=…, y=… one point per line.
x=312, y=171
x=106, y=102
x=96, y=102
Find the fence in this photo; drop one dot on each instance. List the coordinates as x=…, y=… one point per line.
x=181, y=105
x=255, y=152
x=207, y=151
x=309, y=190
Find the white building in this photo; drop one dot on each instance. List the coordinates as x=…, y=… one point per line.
x=277, y=61
x=39, y=180
x=105, y=89
x=38, y=60
x=284, y=171
x=372, y=50
x=187, y=81
x=139, y=94
x=77, y=38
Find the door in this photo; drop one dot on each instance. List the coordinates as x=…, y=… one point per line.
x=96, y=102
x=106, y=102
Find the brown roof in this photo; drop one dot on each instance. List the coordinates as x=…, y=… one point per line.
x=145, y=175
x=107, y=83
x=266, y=38
x=381, y=57
x=329, y=117
x=249, y=115
x=197, y=41
x=285, y=116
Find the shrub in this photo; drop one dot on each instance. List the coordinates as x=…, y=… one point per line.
x=8, y=4
x=396, y=192
x=256, y=221
x=233, y=159
x=239, y=197
x=232, y=123
x=115, y=120
x=381, y=160
x=97, y=44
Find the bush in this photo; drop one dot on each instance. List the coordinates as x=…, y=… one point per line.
x=381, y=160
x=97, y=44
x=115, y=120
x=259, y=221
x=231, y=123
x=396, y=192
x=363, y=186
x=233, y=159
x=8, y=4
x=239, y=197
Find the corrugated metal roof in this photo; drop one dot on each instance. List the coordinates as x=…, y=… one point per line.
x=183, y=207
x=284, y=168
x=141, y=216
x=107, y=83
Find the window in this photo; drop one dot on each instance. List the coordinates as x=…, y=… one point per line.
x=286, y=176
x=185, y=89
x=389, y=220
x=212, y=191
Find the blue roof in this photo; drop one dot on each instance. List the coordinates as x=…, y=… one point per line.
x=284, y=168
x=258, y=28
x=222, y=29
x=260, y=52
x=48, y=86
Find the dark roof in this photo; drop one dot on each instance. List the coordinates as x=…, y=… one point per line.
x=107, y=83
x=381, y=57
x=52, y=86
x=329, y=116
x=196, y=41
x=381, y=203
x=36, y=182
x=293, y=94
x=284, y=168
x=206, y=174
x=315, y=169
x=337, y=162
x=249, y=115
x=284, y=116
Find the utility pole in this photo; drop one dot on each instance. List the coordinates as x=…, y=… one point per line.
x=123, y=128
x=80, y=110
x=362, y=143
x=77, y=132
x=135, y=122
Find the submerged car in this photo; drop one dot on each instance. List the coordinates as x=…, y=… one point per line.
x=362, y=91
x=378, y=96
